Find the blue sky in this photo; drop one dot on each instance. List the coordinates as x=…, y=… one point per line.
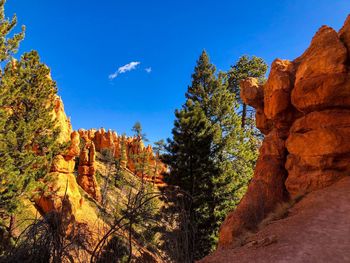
x=86, y=42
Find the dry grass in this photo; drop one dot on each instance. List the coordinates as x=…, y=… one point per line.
x=281, y=211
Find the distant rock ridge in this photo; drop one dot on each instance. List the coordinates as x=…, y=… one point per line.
x=304, y=111
x=130, y=152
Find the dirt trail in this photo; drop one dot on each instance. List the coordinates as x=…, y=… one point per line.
x=317, y=229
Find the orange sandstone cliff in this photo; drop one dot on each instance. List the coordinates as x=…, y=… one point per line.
x=304, y=111
x=64, y=180
x=61, y=180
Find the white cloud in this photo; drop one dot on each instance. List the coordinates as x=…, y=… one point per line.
x=148, y=70
x=128, y=67
x=113, y=76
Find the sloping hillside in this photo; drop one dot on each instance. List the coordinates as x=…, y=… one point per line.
x=316, y=229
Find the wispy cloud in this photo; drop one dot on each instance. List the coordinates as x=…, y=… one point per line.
x=148, y=70
x=123, y=69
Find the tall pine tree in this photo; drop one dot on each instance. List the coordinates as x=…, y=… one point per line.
x=209, y=156
x=28, y=139
x=8, y=47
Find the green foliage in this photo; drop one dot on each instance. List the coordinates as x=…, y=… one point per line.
x=141, y=215
x=140, y=157
x=211, y=156
x=98, y=177
x=245, y=67
x=119, y=180
x=116, y=249
x=159, y=147
x=28, y=137
x=137, y=129
x=108, y=158
x=142, y=166
x=8, y=45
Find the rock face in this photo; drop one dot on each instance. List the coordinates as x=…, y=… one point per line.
x=86, y=170
x=61, y=181
x=304, y=111
x=264, y=192
x=130, y=152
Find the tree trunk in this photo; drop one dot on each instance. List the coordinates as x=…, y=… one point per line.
x=12, y=226
x=244, y=114
x=130, y=242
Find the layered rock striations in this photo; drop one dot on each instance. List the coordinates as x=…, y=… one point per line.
x=304, y=111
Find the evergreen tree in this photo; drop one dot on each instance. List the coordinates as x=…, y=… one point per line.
x=245, y=67
x=190, y=164
x=111, y=163
x=8, y=45
x=158, y=149
x=231, y=151
x=141, y=157
x=120, y=162
x=28, y=138
x=137, y=129
x=209, y=156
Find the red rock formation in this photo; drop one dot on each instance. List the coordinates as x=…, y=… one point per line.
x=61, y=181
x=86, y=170
x=131, y=152
x=304, y=111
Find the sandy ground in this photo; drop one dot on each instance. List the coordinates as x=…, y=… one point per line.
x=317, y=229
